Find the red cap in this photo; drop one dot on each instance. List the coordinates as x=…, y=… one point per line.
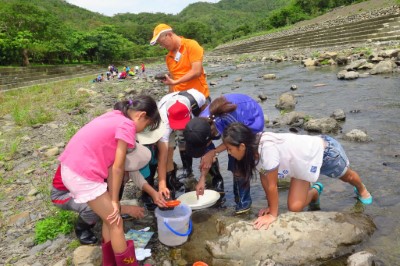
x=178, y=114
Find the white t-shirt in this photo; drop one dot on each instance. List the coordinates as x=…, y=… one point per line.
x=298, y=156
x=162, y=108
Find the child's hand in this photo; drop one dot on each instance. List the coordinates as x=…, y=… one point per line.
x=200, y=188
x=133, y=211
x=164, y=192
x=263, y=211
x=136, y=212
x=264, y=221
x=207, y=160
x=159, y=200
x=115, y=215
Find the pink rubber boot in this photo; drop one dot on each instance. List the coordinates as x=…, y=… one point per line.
x=127, y=257
x=107, y=254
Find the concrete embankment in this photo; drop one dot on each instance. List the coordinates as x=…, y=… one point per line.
x=375, y=26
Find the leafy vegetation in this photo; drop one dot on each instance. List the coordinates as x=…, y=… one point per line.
x=61, y=223
x=56, y=32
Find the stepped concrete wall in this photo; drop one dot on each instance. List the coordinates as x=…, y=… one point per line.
x=16, y=77
x=377, y=26
x=20, y=77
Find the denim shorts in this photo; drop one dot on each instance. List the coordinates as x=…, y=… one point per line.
x=335, y=162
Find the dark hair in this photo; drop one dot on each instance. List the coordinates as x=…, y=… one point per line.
x=219, y=107
x=236, y=134
x=142, y=103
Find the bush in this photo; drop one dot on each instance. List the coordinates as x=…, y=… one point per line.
x=51, y=227
x=286, y=16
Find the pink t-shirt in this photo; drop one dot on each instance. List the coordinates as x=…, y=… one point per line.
x=91, y=151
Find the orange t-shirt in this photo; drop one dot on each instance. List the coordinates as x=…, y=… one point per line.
x=191, y=52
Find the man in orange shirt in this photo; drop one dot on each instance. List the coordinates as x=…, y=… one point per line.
x=184, y=61
x=185, y=65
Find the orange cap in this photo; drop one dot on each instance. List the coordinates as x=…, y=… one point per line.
x=157, y=32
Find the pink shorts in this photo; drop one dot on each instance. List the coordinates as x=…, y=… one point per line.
x=80, y=188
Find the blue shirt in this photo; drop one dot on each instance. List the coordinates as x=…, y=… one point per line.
x=248, y=112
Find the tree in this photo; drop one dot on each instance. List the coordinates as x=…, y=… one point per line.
x=22, y=42
x=194, y=30
x=106, y=45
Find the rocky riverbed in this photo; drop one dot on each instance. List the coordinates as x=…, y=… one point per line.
x=28, y=155
x=26, y=172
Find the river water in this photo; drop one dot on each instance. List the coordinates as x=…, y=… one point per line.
x=371, y=104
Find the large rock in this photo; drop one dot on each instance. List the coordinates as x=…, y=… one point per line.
x=322, y=125
x=348, y=75
x=291, y=118
x=287, y=101
x=389, y=53
x=357, y=135
x=356, y=64
x=309, y=62
x=87, y=256
x=383, y=67
x=294, y=239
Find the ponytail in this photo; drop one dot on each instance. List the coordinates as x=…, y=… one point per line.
x=142, y=103
x=220, y=106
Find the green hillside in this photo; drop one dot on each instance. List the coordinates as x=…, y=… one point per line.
x=56, y=32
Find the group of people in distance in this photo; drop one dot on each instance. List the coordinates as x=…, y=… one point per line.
x=137, y=140
x=113, y=72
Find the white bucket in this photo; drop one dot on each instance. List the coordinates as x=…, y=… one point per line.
x=174, y=226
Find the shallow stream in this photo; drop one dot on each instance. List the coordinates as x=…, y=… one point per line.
x=371, y=104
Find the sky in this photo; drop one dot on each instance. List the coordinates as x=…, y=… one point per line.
x=112, y=7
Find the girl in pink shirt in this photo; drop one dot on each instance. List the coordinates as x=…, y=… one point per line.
x=97, y=152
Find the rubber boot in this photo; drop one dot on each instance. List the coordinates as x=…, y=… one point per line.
x=108, y=258
x=172, y=183
x=127, y=257
x=84, y=232
x=146, y=198
x=217, y=180
x=187, y=163
x=241, y=190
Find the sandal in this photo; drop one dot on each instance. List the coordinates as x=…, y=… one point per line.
x=319, y=187
x=365, y=201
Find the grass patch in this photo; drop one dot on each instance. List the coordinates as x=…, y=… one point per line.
x=7, y=151
x=39, y=104
x=2, y=152
x=61, y=223
x=367, y=51
x=20, y=198
x=8, y=179
x=315, y=54
x=31, y=116
x=307, y=118
x=74, y=244
x=324, y=62
x=283, y=112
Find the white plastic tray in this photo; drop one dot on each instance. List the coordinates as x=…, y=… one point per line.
x=209, y=198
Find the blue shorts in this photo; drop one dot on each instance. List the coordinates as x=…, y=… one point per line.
x=335, y=162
